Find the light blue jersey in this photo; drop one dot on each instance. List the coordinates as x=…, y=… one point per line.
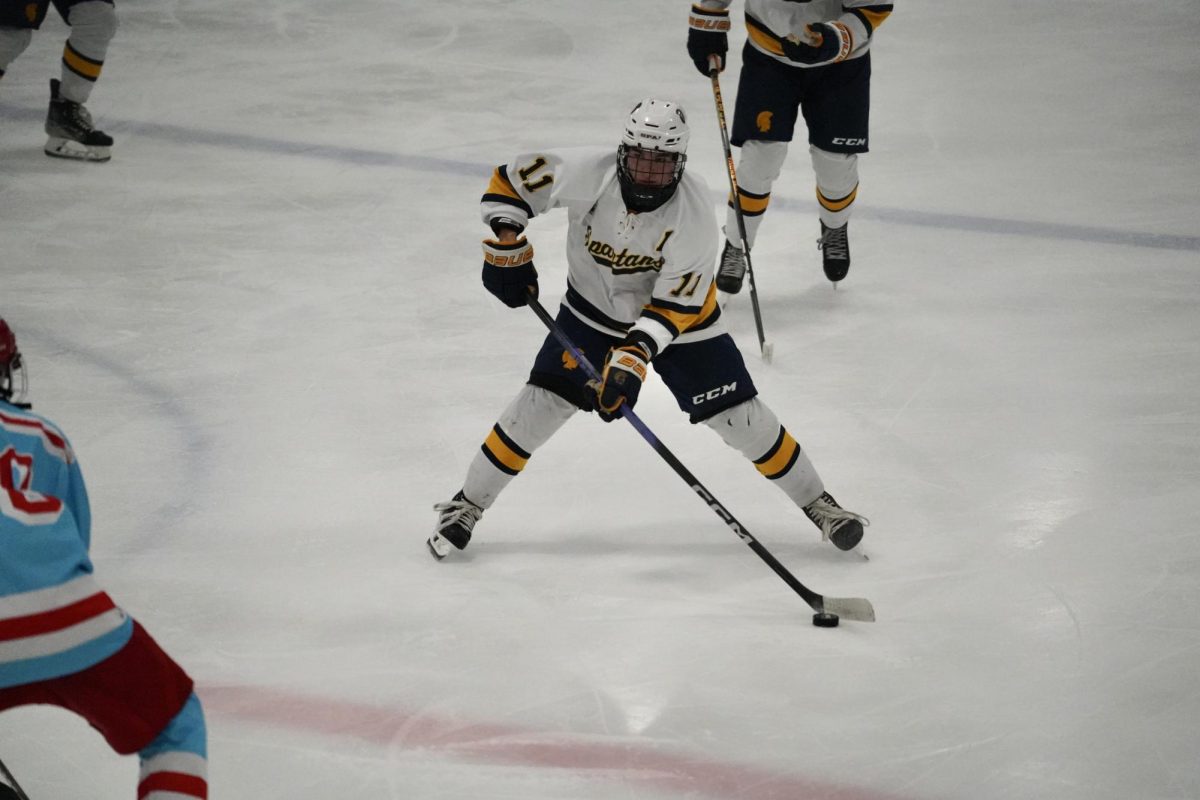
x=54, y=618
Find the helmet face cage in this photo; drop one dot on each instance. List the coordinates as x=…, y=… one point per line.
x=652, y=154
x=650, y=168
x=14, y=383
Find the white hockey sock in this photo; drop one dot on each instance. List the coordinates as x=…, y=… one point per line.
x=837, y=185
x=752, y=429
x=758, y=169
x=532, y=417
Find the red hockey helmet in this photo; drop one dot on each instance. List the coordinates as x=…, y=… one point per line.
x=10, y=365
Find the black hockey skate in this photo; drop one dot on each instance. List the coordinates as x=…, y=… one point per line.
x=456, y=520
x=834, y=245
x=69, y=126
x=732, y=270
x=843, y=528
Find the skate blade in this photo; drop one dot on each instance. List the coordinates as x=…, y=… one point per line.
x=439, y=547
x=57, y=147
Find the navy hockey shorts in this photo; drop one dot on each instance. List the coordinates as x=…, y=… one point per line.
x=32, y=13
x=835, y=100
x=705, y=377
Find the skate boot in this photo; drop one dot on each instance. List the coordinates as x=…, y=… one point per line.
x=843, y=528
x=834, y=245
x=69, y=126
x=456, y=519
x=732, y=270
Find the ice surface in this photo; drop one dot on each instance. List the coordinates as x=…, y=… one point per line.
x=262, y=326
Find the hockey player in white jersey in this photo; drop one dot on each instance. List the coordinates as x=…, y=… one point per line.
x=641, y=247
x=63, y=641
x=809, y=57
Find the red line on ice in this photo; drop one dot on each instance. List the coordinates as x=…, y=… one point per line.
x=626, y=760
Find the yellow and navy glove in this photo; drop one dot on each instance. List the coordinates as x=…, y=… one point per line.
x=708, y=38
x=508, y=271
x=624, y=371
x=828, y=43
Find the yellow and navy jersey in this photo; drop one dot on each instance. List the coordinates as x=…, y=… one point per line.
x=769, y=21
x=652, y=270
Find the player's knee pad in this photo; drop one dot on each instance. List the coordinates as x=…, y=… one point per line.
x=751, y=427
x=13, y=42
x=760, y=164
x=837, y=173
x=93, y=25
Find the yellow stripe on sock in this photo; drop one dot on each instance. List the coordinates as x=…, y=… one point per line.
x=80, y=64
x=503, y=453
x=839, y=204
x=774, y=464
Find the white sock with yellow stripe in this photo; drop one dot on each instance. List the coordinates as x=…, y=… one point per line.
x=758, y=168
x=93, y=25
x=837, y=185
x=532, y=417
x=752, y=429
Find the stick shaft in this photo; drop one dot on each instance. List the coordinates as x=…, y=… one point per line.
x=731, y=172
x=12, y=781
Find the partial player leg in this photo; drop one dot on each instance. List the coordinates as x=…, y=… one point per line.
x=764, y=122
x=175, y=764
x=837, y=109
x=752, y=429
x=837, y=188
x=68, y=122
x=532, y=417
x=758, y=168
x=710, y=382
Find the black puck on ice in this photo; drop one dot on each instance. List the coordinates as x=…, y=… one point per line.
x=823, y=619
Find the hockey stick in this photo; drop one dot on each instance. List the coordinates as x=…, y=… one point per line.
x=767, y=350
x=12, y=782
x=855, y=608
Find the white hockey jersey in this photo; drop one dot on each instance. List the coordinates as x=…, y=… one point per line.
x=652, y=270
x=769, y=21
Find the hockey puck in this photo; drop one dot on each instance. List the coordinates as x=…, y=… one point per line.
x=824, y=619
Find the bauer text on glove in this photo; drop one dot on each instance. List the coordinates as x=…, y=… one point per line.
x=708, y=38
x=508, y=271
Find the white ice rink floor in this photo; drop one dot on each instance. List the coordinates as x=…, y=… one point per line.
x=262, y=326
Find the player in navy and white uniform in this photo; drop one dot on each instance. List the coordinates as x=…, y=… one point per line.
x=809, y=58
x=641, y=246
x=63, y=641
x=93, y=23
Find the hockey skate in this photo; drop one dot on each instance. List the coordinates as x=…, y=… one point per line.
x=834, y=245
x=843, y=528
x=456, y=520
x=69, y=126
x=732, y=270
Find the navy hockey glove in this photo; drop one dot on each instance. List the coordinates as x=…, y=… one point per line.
x=621, y=380
x=830, y=42
x=708, y=37
x=508, y=271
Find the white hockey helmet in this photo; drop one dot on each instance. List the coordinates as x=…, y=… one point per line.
x=652, y=153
